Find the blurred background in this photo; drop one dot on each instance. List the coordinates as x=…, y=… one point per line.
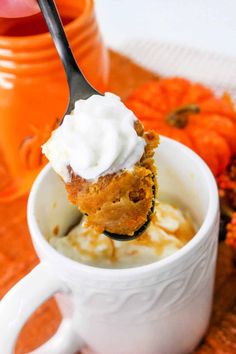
x=175, y=37
x=192, y=39
x=203, y=24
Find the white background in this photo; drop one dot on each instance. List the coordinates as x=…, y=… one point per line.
x=205, y=24
x=191, y=38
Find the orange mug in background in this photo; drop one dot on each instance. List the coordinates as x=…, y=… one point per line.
x=33, y=87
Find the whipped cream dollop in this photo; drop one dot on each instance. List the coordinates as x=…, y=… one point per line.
x=96, y=139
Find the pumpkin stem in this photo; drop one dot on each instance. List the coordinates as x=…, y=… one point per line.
x=179, y=117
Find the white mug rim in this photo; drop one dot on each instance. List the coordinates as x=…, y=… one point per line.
x=209, y=220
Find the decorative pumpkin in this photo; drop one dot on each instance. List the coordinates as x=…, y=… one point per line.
x=191, y=114
x=231, y=232
x=227, y=192
x=227, y=187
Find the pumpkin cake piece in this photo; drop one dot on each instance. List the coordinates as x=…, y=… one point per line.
x=106, y=161
x=121, y=202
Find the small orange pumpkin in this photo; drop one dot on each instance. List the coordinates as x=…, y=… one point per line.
x=191, y=114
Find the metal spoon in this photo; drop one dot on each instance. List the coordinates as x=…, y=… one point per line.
x=79, y=88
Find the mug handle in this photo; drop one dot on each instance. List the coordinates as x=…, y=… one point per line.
x=22, y=300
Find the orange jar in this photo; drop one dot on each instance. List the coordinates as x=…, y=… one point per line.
x=33, y=87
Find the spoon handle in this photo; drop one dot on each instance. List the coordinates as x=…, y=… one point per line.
x=78, y=85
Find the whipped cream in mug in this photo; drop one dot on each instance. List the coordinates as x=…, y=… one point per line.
x=97, y=138
x=169, y=231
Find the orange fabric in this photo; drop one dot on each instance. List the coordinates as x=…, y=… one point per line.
x=17, y=258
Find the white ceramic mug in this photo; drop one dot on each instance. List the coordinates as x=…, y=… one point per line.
x=160, y=308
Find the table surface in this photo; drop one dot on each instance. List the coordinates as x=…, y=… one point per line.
x=17, y=256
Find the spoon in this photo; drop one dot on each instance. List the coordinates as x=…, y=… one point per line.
x=79, y=87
